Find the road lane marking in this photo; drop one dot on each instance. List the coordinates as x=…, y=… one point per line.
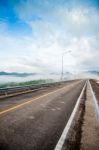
x=31, y=117
x=63, y=137
x=53, y=109
x=62, y=102
x=58, y=108
x=34, y=99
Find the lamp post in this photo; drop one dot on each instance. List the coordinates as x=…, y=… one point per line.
x=62, y=73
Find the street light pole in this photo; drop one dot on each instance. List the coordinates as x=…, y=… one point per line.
x=62, y=68
x=62, y=73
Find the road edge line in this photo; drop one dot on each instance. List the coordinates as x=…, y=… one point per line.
x=63, y=137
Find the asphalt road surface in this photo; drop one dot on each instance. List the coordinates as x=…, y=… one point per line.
x=35, y=121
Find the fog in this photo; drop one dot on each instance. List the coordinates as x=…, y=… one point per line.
x=7, y=79
x=56, y=77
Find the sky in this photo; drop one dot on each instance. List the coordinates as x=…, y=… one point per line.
x=35, y=33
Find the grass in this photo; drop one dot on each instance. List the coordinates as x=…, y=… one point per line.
x=27, y=83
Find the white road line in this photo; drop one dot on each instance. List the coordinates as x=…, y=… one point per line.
x=53, y=109
x=31, y=117
x=62, y=102
x=95, y=102
x=68, y=125
x=58, y=108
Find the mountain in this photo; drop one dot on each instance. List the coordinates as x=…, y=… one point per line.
x=93, y=72
x=16, y=74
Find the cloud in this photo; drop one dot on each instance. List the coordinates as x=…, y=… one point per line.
x=54, y=30
x=78, y=20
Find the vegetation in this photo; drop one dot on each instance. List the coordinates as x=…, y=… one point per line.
x=27, y=83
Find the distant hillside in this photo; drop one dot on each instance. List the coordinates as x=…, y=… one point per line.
x=16, y=74
x=93, y=72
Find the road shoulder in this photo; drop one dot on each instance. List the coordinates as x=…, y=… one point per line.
x=90, y=128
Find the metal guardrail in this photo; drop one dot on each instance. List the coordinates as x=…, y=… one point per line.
x=11, y=90
x=4, y=92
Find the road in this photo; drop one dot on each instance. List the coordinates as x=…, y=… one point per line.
x=35, y=121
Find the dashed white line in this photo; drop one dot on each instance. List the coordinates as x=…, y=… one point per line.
x=62, y=102
x=53, y=109
x=58, y=108
x=31, y=117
